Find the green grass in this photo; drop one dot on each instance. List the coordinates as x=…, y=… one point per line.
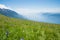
x=18, y=29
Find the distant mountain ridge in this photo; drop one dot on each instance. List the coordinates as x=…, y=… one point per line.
x=10, y=13
x=52, y=14
x=51, y=17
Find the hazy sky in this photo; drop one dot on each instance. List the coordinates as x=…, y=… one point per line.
x=32, y=6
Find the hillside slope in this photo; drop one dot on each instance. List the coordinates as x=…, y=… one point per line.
x=17, y=29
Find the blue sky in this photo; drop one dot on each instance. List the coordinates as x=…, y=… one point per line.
x=32, y=6
x=31, y=3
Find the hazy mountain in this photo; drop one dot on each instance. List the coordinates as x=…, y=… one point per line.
x=50, y=17
x=10, y=13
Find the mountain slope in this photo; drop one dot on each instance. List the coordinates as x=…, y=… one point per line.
x=10, y=13
x=52, y=17
x=18, y=29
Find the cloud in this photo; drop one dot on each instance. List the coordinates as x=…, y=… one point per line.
x=26, y=11
x=32, y=14
x=51, y=10
x=4, y=6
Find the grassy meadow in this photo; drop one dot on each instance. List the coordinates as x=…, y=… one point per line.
x=18, y=29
